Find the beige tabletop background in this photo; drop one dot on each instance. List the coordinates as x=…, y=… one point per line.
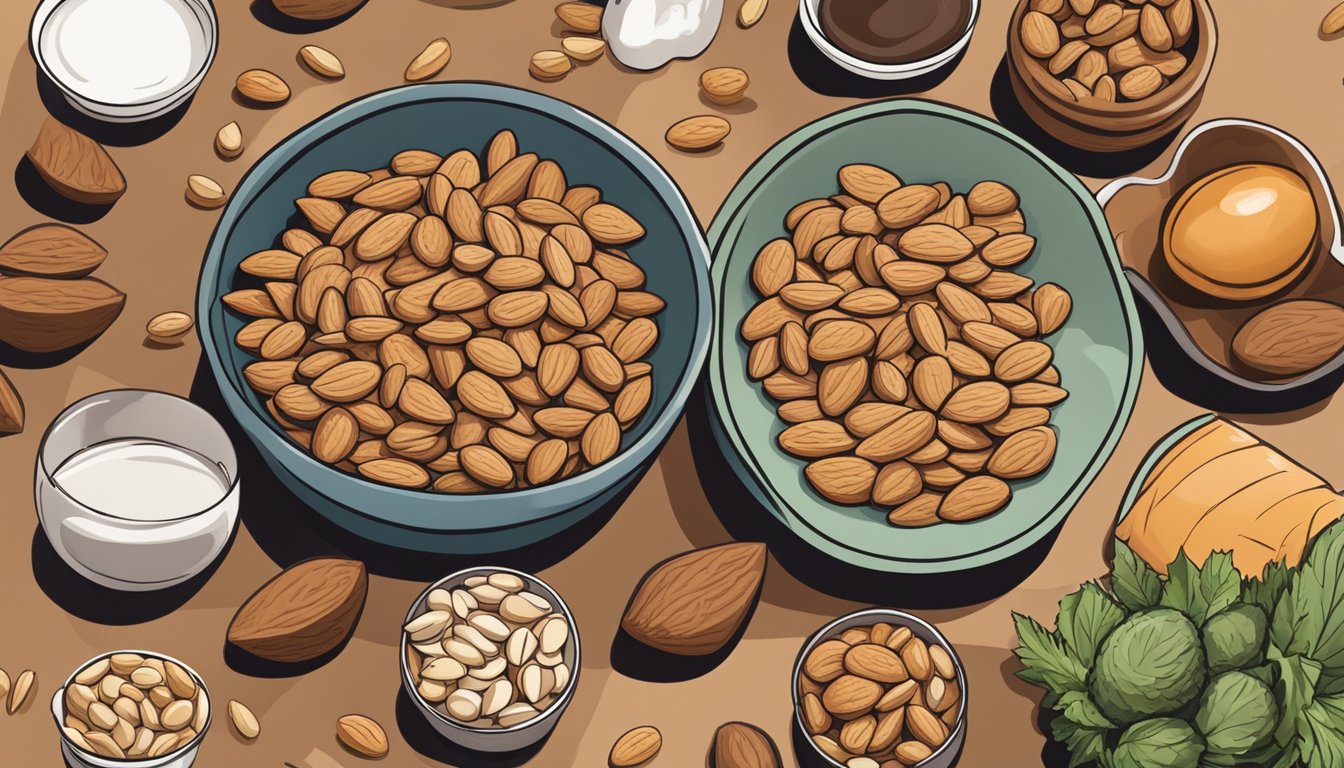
x=1271, y=66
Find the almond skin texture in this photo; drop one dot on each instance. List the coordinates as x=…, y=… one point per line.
x=430, y=61
x=305, y=611
x=724, y=85
x=363, y=736
x=11, y=410
x=74, y=165
x=316, y=10
x=262, y=87
x=694, y=603
x=39, y=314
x=1291, y=338
x=742, y=745
x=636, y=746
x=699, y=133
x=51, y=250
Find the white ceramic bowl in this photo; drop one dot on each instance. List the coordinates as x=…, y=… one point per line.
x=131, y=554
x=946, y=755
x=808, y=16
x=182, y=757
x=496, y=740
x=142, y=97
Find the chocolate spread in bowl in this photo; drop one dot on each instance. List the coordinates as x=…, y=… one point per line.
x=894, y=31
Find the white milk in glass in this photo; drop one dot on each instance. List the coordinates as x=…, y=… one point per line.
x=139, y=479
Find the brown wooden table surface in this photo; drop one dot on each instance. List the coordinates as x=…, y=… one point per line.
x=1271, y=67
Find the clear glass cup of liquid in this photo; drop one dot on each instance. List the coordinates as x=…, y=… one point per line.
x=137, y=490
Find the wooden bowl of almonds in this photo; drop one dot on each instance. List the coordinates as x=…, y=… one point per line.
x=1108, y=75
x=456, y=317
x=490, y=656
x=880, y=687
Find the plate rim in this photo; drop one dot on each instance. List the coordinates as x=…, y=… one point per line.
x=511, y=509
x=726, y=220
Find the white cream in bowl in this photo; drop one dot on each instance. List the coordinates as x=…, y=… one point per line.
x=125, y=59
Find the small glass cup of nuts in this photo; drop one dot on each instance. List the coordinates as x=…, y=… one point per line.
x=132, y=709
x=880, y=688
x=490, y=657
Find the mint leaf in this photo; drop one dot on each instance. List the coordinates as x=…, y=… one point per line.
x=1268, y=589
x=1086, y=744
x=1200, y=593
x=1085, y=618
x=1079, y=707
x=1321, y=732
x=1045, y=662
x=1133, y=580
x=1295, y=689
x=1309, y=617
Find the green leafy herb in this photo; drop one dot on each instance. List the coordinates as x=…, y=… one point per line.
x=1321, y=729
x=1200, y=593
x=1045, y=662
x=1085, y=618
x=1309, y=618
x=1133, y=580
x=1268, y=589
x=1086, y=744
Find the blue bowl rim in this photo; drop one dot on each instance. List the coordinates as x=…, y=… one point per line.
x=513, y=509
x=720, y=409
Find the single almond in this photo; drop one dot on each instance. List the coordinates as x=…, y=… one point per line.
x=583, y=48
x=244, y=721
x=51, y=250
x=751, y=12
x=74, y=165
x=724, y=85
x=1333, y=23
x=205, y=192
x=1023, y=454
x=638, y=745
x=974, y=498
x=699, y=133
x=168, y=326
x=430, y=61
x=229, y=140
x=262, y=87
x=549, y=65
x=322, y=62
x=362, y=735
x=1039, y=35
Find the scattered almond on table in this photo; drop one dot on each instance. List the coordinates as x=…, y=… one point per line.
x=244, y=721
x=322, y=62
x=583, y=48
x=229, y=141
x=549, y=65
x=636, y=747
x=168, y=326
x=363, y=736
x=205, y=192
x=750, y=12
x=581, y=17
x=742, y=745
x=261, y=87
x=699, y=133
x=724, y=85
x=22, y=689
x=430, y=61
x=1333, y=23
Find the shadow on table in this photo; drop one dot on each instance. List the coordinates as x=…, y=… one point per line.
x=830, y=79
x=80, y=597
x=1008, y=111
x=42, y=198
x=636, y=660
x=424, y=739
x=288, y=531
x=107, y=133
x=265, y=12
x=746, y=520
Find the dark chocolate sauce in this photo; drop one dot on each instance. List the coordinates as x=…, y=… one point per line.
x=894, y=31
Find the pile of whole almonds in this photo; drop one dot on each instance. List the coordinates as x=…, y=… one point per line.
x=489, y=653
x=462, y=323
x=1107, y=50
x=905, y=349
x=878, y=693
x=130, y=706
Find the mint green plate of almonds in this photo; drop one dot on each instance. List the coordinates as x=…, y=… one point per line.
x=1097, y=350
